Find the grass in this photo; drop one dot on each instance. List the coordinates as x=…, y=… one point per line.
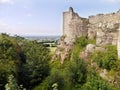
x=52, y=50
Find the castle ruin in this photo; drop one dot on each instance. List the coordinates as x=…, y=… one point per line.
x=105, y=28
x=73, y=26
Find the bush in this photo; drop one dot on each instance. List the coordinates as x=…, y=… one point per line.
x=106, y=59
x=82, y=41
x=55, y=78
x=95, y=82
x=76, y=72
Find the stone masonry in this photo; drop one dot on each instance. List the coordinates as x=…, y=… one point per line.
x=73, y=26
x=105, y=28
x=102, y=27
x=118, y=44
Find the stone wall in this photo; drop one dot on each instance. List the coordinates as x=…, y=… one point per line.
x=103, y=27
x=118, y=44
x=73, y=26
x=106, y=27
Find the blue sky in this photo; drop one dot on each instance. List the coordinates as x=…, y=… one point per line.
x=44, y=17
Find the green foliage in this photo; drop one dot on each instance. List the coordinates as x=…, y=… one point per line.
x=106, y=59
x=10, y=53
x=82, y=41
x=55, y=77
x=95, y=82
x=92, y=41
x=76, y=71
x=36, y=67
x=80, y=44
x=67, y=77
x=3, y=78
x=55, y=86
x=28, y=61
x=12, y=84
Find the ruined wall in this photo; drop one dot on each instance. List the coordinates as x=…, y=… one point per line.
x=106, y=28
x=118, y=43
x=103, y=27
x=73, y=26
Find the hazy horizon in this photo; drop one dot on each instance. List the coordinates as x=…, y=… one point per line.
x=44, y=18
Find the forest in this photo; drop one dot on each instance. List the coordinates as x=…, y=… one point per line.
x=27, y=65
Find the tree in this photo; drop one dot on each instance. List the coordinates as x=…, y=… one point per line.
x=36, y=68
x=10, y=58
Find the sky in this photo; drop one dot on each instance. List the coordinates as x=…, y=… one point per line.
x=44, y=17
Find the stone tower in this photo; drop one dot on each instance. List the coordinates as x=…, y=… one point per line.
x=73, y=26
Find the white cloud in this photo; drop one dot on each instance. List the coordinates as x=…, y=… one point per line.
x=6, y=1
x=112, y=1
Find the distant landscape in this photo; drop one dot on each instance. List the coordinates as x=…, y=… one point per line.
x=43, y=38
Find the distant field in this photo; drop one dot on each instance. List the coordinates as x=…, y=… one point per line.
x=52, y=50
x=42, y=38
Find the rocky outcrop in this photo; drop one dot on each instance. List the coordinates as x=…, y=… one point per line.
x=62, y=51
x=90, y=48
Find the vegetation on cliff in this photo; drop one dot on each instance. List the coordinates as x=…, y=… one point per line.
x=78, y=74
x=26, y=64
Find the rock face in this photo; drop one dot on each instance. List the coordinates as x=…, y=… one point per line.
x=62, y=51
x=105, y=28
x=90, y=48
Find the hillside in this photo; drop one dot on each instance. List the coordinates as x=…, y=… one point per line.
x=86, y=67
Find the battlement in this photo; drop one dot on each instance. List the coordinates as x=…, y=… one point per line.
x=110, y=17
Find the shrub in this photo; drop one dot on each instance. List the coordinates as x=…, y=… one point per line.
x=82, y=41
x=106, y=59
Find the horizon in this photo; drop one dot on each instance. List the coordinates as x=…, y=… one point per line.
x=44, y=18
